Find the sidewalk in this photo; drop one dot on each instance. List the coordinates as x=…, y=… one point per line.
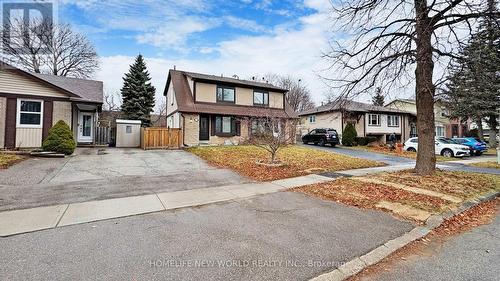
x=28, y=220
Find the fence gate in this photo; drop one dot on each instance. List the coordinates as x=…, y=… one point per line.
x=161, y=138
x=102, y=136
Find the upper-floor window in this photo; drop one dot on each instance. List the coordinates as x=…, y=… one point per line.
x=225, y=94
x=260, y=98
x=439, y=131
x=312, y=118
x=373, y=119
x=29, y=113
x=392, y=120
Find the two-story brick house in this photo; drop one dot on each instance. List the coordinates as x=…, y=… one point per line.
x=221, y=110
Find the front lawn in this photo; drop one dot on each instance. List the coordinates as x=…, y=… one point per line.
x=404, y=153
x=7, y=160
x=489, y=164
x=298, y=161
x=406, y=194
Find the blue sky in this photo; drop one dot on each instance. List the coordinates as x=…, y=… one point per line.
x=242, y=37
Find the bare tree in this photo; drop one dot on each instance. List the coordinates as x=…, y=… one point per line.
x=112, y=101
x=43, y=47
x=271, y=133
x=298, y=96
x=391, y=40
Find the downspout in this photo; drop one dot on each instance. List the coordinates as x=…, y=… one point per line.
x=183, y=130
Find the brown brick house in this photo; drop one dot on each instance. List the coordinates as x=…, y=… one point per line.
x=220, y=110
x=31, y=103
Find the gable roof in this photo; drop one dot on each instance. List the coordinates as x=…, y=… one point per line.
x=185, y=100
x=78, y=89
x=234, y=81
x=351, y=106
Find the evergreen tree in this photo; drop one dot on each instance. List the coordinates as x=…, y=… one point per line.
x=138, y=93
x=474, y=84
x=378, y=98
x=349, y=135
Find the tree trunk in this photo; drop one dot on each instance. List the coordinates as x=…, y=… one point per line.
x=493, y=131
x=480, y=132
x=425, y=89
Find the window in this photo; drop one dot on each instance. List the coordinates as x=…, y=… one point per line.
x=29, y=113
x=128, y=129
x=260, y=98
x=392, y=120
x=373, y=119
x=439, y=131
x=225, y=125
x=225, y=94
x=312, y=119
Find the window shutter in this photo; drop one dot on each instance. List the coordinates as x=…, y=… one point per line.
x=212, y=125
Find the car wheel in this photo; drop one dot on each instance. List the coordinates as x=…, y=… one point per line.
x=315, y=143
x=322, y=142
x=479, y=153
x=305, y=142
x=333, y=145
x=447, y=152
x=411, y=149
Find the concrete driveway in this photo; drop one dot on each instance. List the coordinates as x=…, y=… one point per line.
x=279, y=236
x=93, y=174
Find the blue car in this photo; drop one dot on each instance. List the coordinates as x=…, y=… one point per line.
x=476, y=147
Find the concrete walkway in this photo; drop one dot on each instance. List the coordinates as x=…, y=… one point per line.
x=28, y=220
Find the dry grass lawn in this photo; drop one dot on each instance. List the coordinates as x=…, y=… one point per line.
x=489, y=164
x=298, y=161
x=366, y=195
x=7, y=160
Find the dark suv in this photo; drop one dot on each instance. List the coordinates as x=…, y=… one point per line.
x=322, y=137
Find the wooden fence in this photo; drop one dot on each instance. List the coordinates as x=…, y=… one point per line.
x=102, y=136
x=161, y=138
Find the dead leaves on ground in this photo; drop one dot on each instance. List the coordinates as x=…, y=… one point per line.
x=298, y=161
x=7, y=160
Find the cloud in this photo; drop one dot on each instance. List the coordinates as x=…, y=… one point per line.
x=244, y=24
x=295, y=51
x=175, y=34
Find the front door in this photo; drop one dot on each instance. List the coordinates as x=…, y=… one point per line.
x=204, y=127
x=85, y=126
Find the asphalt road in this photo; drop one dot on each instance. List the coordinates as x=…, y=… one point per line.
x=280, y=236
x=474, y=255
x=388, y=159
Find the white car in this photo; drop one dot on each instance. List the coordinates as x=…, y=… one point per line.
x=443, y=147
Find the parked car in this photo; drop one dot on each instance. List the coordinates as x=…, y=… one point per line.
x=442, y=147
x=322, y=137
x=476, y=147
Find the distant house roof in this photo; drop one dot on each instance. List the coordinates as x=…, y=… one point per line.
x=353, y=106
x=412, y=101
x=78, y=89
x=185, y=100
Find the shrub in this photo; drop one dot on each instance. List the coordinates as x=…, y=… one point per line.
x=365, y=140
x=60, y=139
x=349, y=135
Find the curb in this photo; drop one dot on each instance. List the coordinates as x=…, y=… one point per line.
x=358, y=264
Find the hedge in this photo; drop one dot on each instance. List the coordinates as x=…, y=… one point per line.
x=349, y=135
x=365, y=140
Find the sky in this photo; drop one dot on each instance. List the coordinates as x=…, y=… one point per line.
x=239, y=37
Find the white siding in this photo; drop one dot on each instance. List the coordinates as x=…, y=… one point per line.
x=174, y=121
x=11, y=82
x=28, y=137
x=3, y=110
x=383, y=128
x=171, y=101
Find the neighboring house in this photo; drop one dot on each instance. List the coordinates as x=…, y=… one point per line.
x=445, y=126
x=369, y=120
x=220, y=110
x=31, y=103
